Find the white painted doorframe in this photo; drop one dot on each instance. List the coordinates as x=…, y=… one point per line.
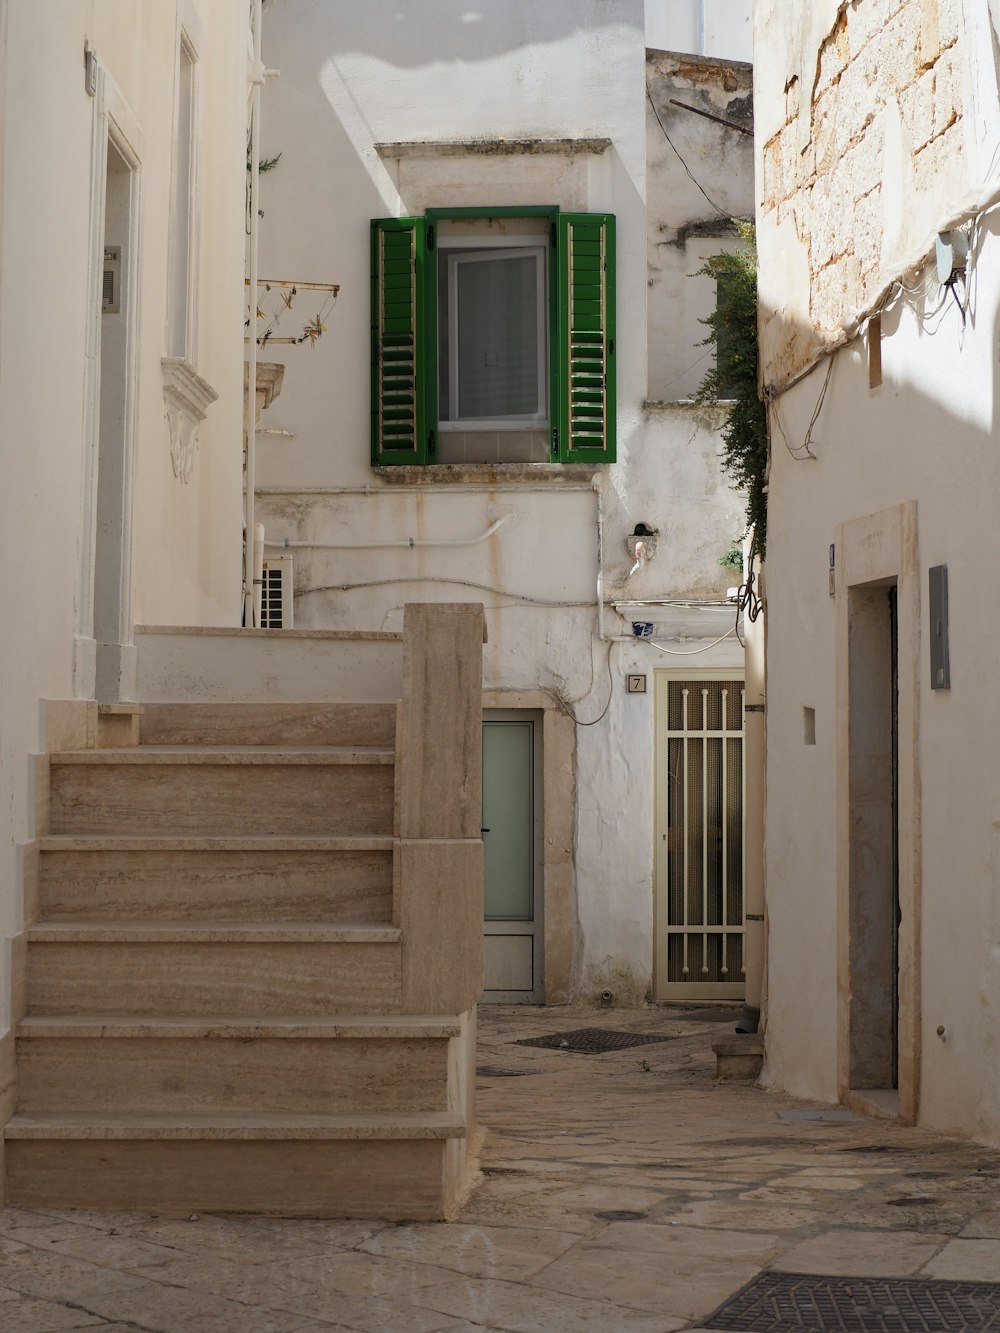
x=116, y=131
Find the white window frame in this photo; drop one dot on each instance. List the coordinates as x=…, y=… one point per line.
x=182, y=291
x=186, y=395
x=508, y=247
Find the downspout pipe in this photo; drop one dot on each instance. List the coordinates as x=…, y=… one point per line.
x=754, y=732
x=251, y=590
x=599, y=495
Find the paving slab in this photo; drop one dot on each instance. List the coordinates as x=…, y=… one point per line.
x=622, y=1192
x=847, y=1252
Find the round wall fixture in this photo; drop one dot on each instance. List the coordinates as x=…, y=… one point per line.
x=951, y=250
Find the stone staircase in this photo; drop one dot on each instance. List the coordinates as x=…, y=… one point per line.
x=241, y=983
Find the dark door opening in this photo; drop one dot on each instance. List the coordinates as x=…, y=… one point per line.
x=873, y=729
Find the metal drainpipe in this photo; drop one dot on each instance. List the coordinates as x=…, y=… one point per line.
x=600, y=557
x=251, y=602
x=753, y=813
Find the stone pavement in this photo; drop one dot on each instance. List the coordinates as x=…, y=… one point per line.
x=626, y=1192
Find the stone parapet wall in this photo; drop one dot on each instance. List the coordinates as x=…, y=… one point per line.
x=860, y=148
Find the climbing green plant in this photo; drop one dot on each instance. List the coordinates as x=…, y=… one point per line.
x=733, y=334
x=733, y=558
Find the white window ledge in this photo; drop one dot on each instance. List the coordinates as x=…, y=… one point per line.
x=428, y=474
x=186, y=400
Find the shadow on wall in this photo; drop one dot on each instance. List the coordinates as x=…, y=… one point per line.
x=927, y=433
x=355, y=74
x=462, y=31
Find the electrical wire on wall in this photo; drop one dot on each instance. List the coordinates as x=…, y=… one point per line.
x=567, y=704
x=520, y=599
x=721, y=211
x=972, y=216
x=525, y=598
x=748, y=604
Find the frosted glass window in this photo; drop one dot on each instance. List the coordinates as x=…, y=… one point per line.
x=494, y=337
x=508, y=805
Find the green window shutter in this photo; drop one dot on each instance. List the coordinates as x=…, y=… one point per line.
x=399, y=422
x=585, y=416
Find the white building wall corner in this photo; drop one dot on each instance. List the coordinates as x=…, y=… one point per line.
x=183, y=560
x=876, y=133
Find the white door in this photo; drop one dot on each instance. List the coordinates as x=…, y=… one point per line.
x=511, y=846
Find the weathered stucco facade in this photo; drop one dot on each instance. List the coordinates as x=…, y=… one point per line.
x=385, y=113
x=99, y=525
x=879, y=128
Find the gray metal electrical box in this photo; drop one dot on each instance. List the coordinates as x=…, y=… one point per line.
x=938, y=601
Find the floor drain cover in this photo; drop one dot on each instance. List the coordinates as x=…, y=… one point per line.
x=804, y=1303
x=592, y=1041
x=621, y=1215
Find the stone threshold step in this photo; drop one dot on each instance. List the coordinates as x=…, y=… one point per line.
x=229, y=755
x=183, y=842
x=400, y=1027
x=218, y=932
x=381, y=1125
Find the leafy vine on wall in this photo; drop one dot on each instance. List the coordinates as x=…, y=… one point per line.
x=733, y=335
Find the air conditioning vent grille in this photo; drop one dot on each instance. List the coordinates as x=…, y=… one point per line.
x=276, y=593
x=111, y=288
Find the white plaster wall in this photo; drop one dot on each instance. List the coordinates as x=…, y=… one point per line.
x=698, y=181
x=186, y=562
x=188, y=557
x=357, y=75
x=928, y=433
x=706, y=27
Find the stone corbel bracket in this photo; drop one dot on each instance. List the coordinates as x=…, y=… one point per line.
x=186, y=400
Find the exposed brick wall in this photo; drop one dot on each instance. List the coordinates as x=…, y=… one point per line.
x=824, y=167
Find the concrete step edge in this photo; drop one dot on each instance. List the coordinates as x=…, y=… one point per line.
x=234, y=932
x=265, y=842
x=228, y=756
x=401, y=1027
x=434, y=1125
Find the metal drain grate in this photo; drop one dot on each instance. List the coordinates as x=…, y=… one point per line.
x=592, y=1041
x=805, y=1303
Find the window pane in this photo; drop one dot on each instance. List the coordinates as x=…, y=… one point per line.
x=508, y=818
x=498, y=353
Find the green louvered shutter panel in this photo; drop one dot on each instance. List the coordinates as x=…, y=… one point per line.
x=586, y=338
x=399, y=427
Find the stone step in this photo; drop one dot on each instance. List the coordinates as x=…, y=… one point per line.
x=268, y=724
x=382, y=1125
x=347, y=1178
x=365, y=1166
x=243, y=969
x=114, y=1066
x=187, y=789
x=201, y=879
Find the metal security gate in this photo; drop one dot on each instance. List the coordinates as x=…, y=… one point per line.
x=699, y=835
